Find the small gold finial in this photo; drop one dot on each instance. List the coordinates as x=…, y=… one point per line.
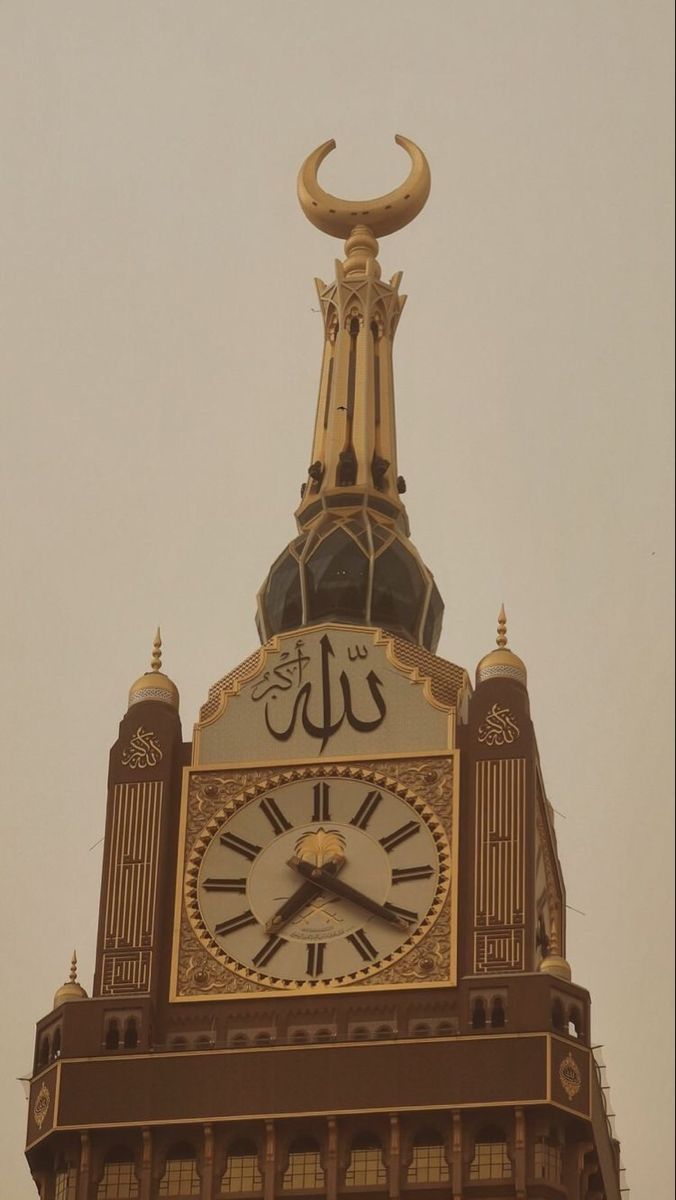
x=156, y=659
x=501, y=639
x=73, y=968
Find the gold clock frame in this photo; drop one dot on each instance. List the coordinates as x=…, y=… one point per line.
x=201, y=970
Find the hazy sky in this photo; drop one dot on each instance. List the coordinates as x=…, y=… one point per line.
x=160, y=359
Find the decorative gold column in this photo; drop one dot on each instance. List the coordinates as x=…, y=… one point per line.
x=520, y=1153
x=270, y=1161
x=146, y=1164
x=83, y=1173
x=332, y=1160
x=456, y=1157
x=394, y=1158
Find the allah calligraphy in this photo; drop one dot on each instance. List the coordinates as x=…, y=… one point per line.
x=570, y=1077
x=499, y=727
x=320, y=704
x=41, y=1106
x=143, y=750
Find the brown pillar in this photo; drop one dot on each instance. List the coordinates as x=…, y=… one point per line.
x=146, y=1189
x=456, y=1157
x=520, y=1153
x=208, y=1164
x=395, y=1158
x=83, y=1173
x=270, y=1161
x=332, y=1160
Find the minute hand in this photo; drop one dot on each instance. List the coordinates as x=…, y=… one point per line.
x=343, y=890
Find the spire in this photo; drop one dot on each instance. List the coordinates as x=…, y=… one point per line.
x=501, y=662
x=154, y=684
x=71, y=989
x=353, y=561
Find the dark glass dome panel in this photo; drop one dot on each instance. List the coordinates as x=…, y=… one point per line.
x=283, y=600
x=337, y=578
x=398, y=590
x=434, y=620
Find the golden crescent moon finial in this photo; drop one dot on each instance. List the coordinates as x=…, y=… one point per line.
x=383, y=215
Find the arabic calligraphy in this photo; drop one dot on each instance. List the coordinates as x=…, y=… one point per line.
x=499, y=727
x=289, y=671
x=322, y=721
x=143, y=750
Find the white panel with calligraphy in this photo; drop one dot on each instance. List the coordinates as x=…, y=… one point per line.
x=327, y=691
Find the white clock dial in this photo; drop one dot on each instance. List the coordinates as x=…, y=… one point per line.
x=321, y=880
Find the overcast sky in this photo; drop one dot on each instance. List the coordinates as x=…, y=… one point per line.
x=160, y=358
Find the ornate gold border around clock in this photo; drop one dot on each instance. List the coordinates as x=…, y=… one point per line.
x=251, y=985
x=231, y=685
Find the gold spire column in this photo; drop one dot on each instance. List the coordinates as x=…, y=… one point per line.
x=354, y=561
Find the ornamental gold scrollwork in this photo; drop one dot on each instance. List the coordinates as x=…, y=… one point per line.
x=570, y=1077
x=41, y=1106
x=499, y=727
x=143, y=750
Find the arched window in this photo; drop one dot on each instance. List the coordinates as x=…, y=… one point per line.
x=366, y=1163
x=180, y=1177
x=557, y=1014
x=549, y=1158
x=445, y=1029
x=428, y=1164
x=497, y=1013
x=384, y=1031
x=575, y=1022
x=112, y=1040
x=203, y=1041
x=118, y=1181
x=43, y=1056
x=479, y=1013
x=324, y=1035
x=242, y=1173
x=360, y=1034
x=56, y=1043
x=65, y=1183
x=491, y=1160
x=421, y=1029
x=305, y=1171
x=130, y=1034
x=263, y=1038
x=239, y=1040
x=299, y=1036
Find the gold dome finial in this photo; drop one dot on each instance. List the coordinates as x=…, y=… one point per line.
x=154, y=684
x=71, y=990
x=501, y=639
x=156, y=657
x=501, y=662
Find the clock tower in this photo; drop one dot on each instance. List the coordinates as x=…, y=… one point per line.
x=331, y=952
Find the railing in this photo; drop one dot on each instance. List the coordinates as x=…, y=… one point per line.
x=602, y=1076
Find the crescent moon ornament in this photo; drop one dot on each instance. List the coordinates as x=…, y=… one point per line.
x=383, y=215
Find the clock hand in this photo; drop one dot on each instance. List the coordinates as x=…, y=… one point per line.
x=301, y=898
x=343, y=891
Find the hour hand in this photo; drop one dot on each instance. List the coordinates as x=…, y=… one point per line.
x=327, y=883
x=301, y=898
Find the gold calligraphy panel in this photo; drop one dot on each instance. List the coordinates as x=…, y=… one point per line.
x=500, y=874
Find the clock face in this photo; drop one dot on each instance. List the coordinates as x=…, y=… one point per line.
x=319, y=881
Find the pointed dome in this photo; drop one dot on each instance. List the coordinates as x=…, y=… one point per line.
x=154, y=685
x=501, y=663
x=71, y=989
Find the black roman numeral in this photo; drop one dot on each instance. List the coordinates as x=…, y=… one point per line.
x=224, y=885
x=405, y=913
x=399, y=835
x=267, y=951
x=315, y=958
x=270, y=809
x=320, y=802
x=362, y=945
x=363, y=814
x=245, y=918
x=403, y=874
x=237, y=843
